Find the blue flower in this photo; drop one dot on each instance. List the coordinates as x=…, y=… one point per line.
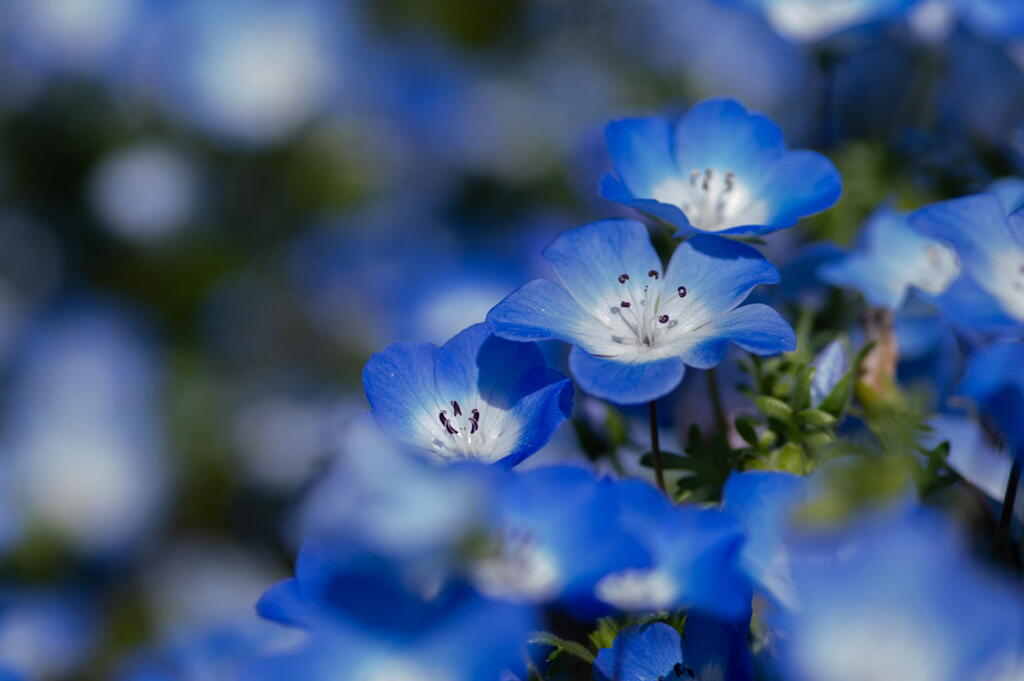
x=636, y=325
x=990, y=245
x=478, y=397
x=711, y=650
x=695, y=558
x=556, y=533
x=721, y=169
x=995, y=381
x=816, y=20
x=889, y=259
x=899, y=599
x=830, y=366
x=367, y=617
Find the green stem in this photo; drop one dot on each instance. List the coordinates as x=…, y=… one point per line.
x=659, y=473
x=716, y=403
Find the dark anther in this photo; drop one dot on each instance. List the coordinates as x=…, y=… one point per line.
x=452, y=430
x=456, y=408
x=625, y=303
x=682, y=291
x=444, y=417
x=694, y=174
x=678, y=668
x=475, y=414
x=623, y=278
x=663, y=319
x=729, y=177
x=653, y=274
x=707, y=180
x=473, y=425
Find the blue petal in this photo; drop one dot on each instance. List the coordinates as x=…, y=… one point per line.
x=716, y=648
x=589, y=260
x=477, y=365
x=800, y=183
x=1009, y=191
x=756, y=328
x=614, y=190
x=976, y=226
x=625, y=383
x=967, y=305
x=640, y=653
x=399, y=384
x=545, y=407
x=718, y=275
x=543, y=310
x=721, y=133
x=641, y=151
x=830, y=366
x=284, y=603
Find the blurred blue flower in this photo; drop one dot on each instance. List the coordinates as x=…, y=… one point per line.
x=890, y=258
x=711, y=650
x=990, y=245
x=203, y=654
x=994, y=380
x=816, y=20
x=636, y=326
x=47, y=634
x=367, y=617
x=478, y=397
x=720, y=169
x=830, y=366
x=696, y=558
x=900, y=599
x=534, y=558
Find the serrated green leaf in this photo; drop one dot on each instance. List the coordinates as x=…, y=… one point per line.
x=816, y=418
x=774, y=408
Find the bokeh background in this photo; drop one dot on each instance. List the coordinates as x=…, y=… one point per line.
x=213, y=211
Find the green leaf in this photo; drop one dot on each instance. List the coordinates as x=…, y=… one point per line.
x=615, y=427
x=669, y=461
x=767, y=439
x=801, y=395
x=774, y=408
x=546, y=638
x=745, y=427
x=816, y=418
x=835, y=402
x=604, y=635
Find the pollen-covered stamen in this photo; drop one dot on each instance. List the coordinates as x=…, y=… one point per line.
x=623, y=278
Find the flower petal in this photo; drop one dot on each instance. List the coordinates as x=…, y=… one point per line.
x=721, y=133
x=547, y=403
x=283, y=602
x=798, y=184
x=640, y=653
x=624, y=382
x=756, y=328
x=614, y=190
x=399, y=384
x=640, y=150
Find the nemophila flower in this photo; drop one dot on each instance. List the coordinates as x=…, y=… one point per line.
x=995, y=381
x=367, y=617
x=990, y=245
x=710, y=650
x=695, y=558
x=635, y=324
x=557, y=531
x=477, y=398
x=816, y=20
x=889, y=259
x=830, y=366
x=900, y=599
x=719, y=169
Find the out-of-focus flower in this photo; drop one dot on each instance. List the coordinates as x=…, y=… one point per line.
x=369, y=618
x=146, y=192
x=889, y=259
x=720, y=169
x=634, y=325
x=46, y=634
x=532, y=559
x=711, y=650
x=999, y=20
x=899, y=600
x=83, y=430
x=994, y=380
x=830, y=366
x=990, y=246
x=816, y=20
x=477, y=398
x=695, y=558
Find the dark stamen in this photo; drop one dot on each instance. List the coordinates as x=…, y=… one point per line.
x=623, y=278
x=625, y=303
x=663, y=319
x=653, y=274
x=682, y=291
x=707, y=180
x=473, y=426
x=729, y=177
x=444, y=417
x=475, y=414
x=694, y=174
x=452, y=430
x=678, y=668
x=456, y=408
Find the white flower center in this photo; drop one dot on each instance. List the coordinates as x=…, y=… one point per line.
x=636, y=590
x=518, y=570
x=1008, y=276
x=474, y=434
x=712, y=199
x=647, y=313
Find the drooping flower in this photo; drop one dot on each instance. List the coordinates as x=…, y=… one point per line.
x=989, y=296
x=478, y=397
x=719, y=169
x=900, y=599
x=636, y=325
x=711, y=651
x=889, y=259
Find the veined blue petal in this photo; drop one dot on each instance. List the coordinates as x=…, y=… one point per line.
x=718, y=275
x=641, y=151
x=399, y=384
x=614, y=190
x=756, y=328
x=545, y=407
x=589, y=261
x=721, y=133
x=542, y=310
x=477, y=366
x=641, y=653
x=622, y=382
x=798, y=184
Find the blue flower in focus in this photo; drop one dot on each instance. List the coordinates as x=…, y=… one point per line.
x=990, y=244
x=720, y=169
x=556, y=533
x=696, y=558
x=889, y=259
x=366, y=617
x=636, y=325
x=815, y=20
x=899, y=600
x=478, y=398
